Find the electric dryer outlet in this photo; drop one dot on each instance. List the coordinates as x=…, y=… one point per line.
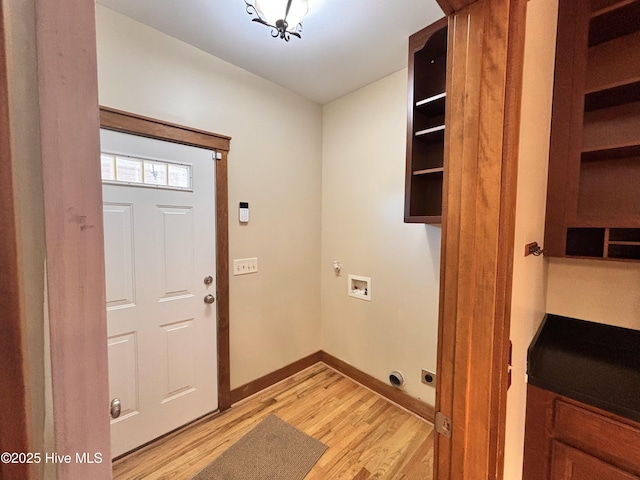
x=428, y=377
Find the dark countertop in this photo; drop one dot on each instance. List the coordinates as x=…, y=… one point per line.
x=590, y=362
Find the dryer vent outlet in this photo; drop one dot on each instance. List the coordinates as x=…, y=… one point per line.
x=396, y=379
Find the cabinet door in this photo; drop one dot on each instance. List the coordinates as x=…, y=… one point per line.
x=567, y=463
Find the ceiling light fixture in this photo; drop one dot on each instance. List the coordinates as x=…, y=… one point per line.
x=283, y=16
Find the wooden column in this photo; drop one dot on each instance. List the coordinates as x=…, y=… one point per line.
x=67, y=65
x=486, y=46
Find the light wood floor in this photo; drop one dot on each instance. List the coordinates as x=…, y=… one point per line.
x=368, y=437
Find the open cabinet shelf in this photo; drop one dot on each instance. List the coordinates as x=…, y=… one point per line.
x=426, y=126
x=593, y=200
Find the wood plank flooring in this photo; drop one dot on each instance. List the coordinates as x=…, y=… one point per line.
x=368, y=437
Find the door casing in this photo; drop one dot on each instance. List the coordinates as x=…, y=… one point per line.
x=119, y=121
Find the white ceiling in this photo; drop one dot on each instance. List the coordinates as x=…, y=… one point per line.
x=345, y=44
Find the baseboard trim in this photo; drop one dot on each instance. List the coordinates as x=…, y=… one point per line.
x=272, y=378
x=420, y=408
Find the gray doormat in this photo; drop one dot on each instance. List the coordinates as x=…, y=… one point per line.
x=273, y=450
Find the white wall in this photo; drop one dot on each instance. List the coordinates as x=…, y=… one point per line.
x=603, y=292
x=529, y=273
x=363, y=167
x=274, y=164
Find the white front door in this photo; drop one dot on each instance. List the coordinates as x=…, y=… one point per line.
x=159, y=228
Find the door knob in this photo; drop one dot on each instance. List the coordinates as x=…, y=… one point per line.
x=209, y=299
x=115, y=408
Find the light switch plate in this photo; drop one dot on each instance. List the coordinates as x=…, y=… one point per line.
x=244, y=266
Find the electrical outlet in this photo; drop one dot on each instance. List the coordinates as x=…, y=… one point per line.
x=428, y=377
x=243, y=266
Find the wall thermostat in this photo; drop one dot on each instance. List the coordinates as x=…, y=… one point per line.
x=243, y=212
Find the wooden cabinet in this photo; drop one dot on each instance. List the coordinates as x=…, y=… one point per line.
x=573, y=464
x=593, y=201
x=568, y=440
x=583, y=402
x=425, y=125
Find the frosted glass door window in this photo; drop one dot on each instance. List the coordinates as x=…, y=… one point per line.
x=179, y=176
x=108, y=164
x=143, y=172
x=128, y=170
x=155, y=173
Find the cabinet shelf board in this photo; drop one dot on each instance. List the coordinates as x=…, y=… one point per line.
x=427, y=131
x=595, y=151
x=430, y=219
x=609, y=222
x=613, y=95
x=620, y=242
x=610, y=65
x=615, y=22
x=600, y=7
x=427, y=171
x=430, y=118
x=611, y=153
x=432, y=99
x=600, y=152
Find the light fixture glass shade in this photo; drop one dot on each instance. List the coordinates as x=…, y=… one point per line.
x=285, y=16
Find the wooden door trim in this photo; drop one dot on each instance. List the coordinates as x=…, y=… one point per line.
x=135, y=124
x=486, y=50
x=14, y=435
x=126, y=122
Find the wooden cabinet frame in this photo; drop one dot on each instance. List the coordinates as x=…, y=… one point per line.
x=478, y=228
